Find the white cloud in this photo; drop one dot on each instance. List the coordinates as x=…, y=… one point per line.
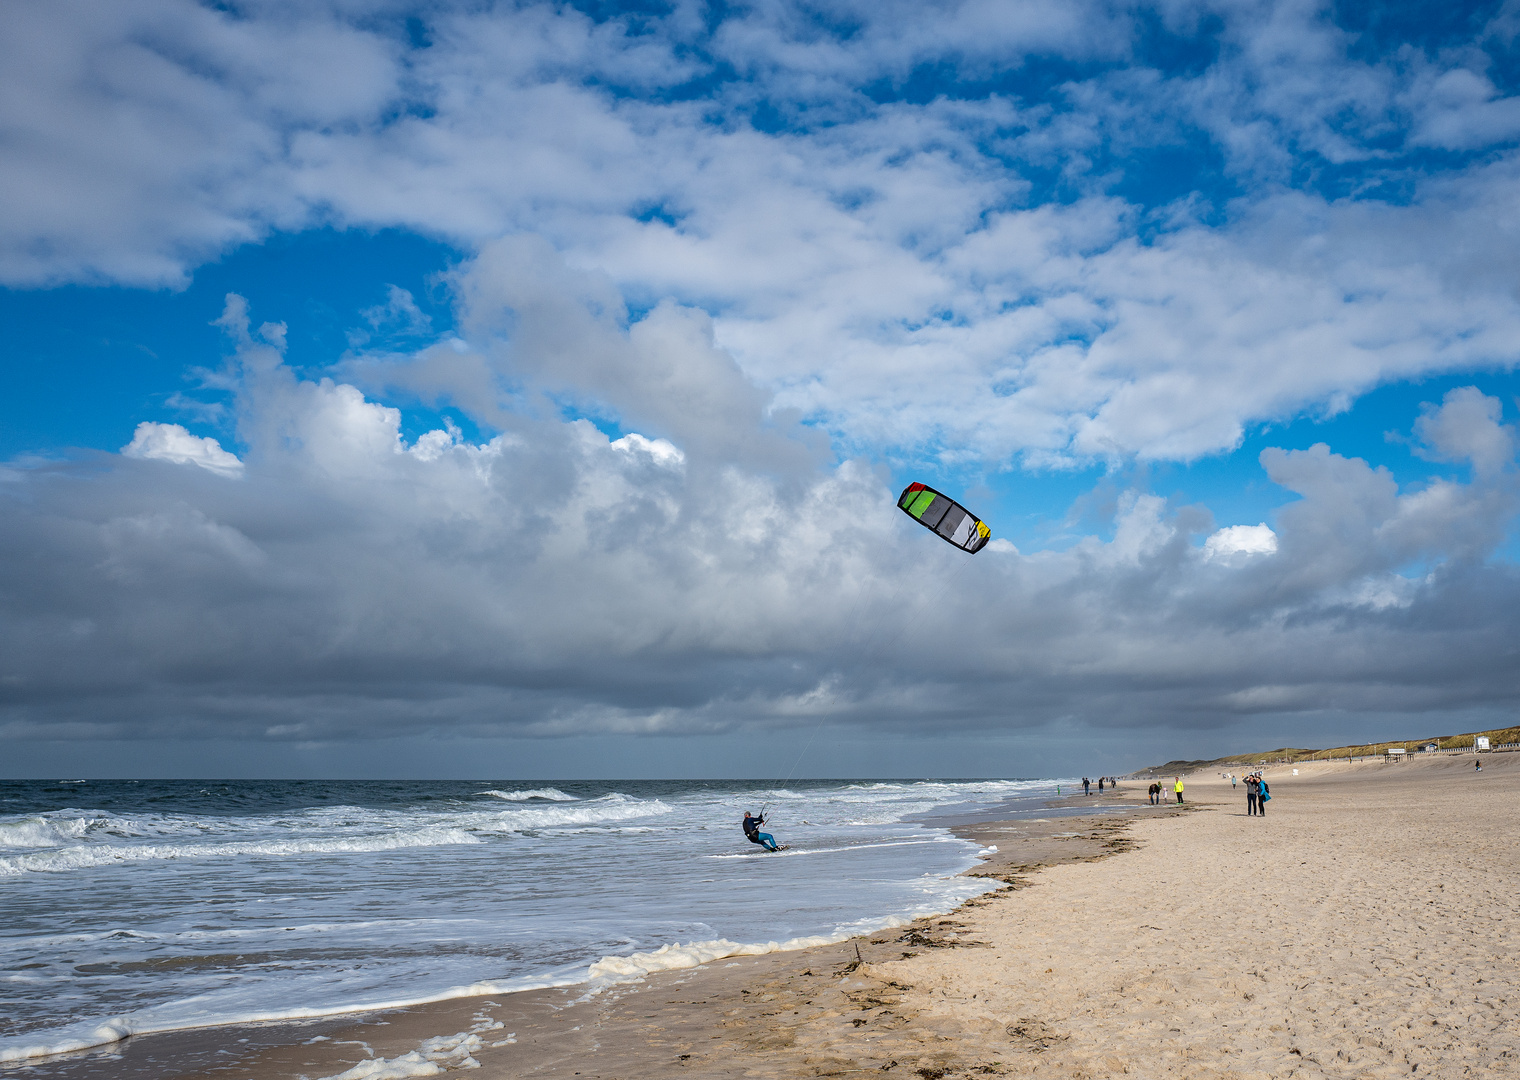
x=1467, y=427
x=888, y=269
x=1240, y=540
x=1461, y=110
x=170, y=442
x=662, y=452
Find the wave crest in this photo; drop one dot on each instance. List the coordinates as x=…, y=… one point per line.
x=609, y=808
x=84, y=857
x=547, y=794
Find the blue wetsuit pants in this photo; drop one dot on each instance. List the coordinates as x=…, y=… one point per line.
x=766, y=840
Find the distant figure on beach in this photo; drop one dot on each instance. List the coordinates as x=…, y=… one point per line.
x=752, y=831
x=1177, y=787
x=1086, y=786
x=1154, y=791
x=1100, y=785
x=1477, y=766
x=1251, y=792
x=1261, y=799
x=1232, y=781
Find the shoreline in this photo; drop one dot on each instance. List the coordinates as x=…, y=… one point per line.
x=45, y=1032
x=1356, y=932
x=184, y=1051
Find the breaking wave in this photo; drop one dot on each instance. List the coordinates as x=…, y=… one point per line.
x=86, y=856
x=547, y=794
x=608, y=808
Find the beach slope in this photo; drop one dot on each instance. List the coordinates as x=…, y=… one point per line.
x=1363, y=928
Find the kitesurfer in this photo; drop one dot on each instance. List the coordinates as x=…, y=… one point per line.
x=752, y=831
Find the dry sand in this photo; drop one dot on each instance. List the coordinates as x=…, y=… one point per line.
x=1364, y=928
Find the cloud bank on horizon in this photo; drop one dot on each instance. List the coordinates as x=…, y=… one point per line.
x=721, y=271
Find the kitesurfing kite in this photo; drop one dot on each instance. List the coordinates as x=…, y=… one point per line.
x=952, y=521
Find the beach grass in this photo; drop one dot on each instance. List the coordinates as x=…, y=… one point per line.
x=1499, y=739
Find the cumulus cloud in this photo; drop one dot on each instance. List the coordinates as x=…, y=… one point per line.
x=1240, y=540
x=1467, y=427
x=552, y=581
x=170, y=442
x=660, y=451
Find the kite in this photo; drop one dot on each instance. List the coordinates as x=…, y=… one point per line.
x=952, y=521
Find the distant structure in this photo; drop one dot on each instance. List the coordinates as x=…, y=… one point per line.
x=1395, y=753
x=1430, y=748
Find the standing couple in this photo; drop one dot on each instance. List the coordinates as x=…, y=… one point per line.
x=1257, y=794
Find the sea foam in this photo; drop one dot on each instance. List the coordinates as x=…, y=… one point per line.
x=595, y=812
x=337, y=897
x=673, y=957
x=87, y=856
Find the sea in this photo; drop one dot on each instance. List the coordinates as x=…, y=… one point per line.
x=136, y=906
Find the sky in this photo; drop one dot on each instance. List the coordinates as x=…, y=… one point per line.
x=524, y=390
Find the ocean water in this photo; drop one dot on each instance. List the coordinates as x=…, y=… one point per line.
x=135, y=906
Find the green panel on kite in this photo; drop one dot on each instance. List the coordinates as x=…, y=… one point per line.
x=920, y=503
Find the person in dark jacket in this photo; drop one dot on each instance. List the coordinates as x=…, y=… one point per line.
x=752, y=831
x=1252, y=789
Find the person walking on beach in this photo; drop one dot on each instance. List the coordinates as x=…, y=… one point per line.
x=1100, y=785
x=1251, y=790
x=1086, y=786
x=1178, y=789
x=752, y=832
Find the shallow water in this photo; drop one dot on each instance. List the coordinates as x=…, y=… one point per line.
x=135, y=906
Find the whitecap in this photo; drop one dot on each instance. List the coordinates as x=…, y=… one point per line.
x=596, y=812
x=85, y=857
x=36, y=832
x=547, y=794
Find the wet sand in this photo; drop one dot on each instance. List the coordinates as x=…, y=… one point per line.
x=1364, y=928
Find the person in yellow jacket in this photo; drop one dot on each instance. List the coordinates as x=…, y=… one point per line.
x=1177, y=787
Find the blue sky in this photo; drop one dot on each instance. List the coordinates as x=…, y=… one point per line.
x=1110, y=271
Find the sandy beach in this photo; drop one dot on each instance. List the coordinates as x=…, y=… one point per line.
x=1363, y=928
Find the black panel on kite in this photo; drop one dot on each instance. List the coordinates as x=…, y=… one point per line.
x=946, y=517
